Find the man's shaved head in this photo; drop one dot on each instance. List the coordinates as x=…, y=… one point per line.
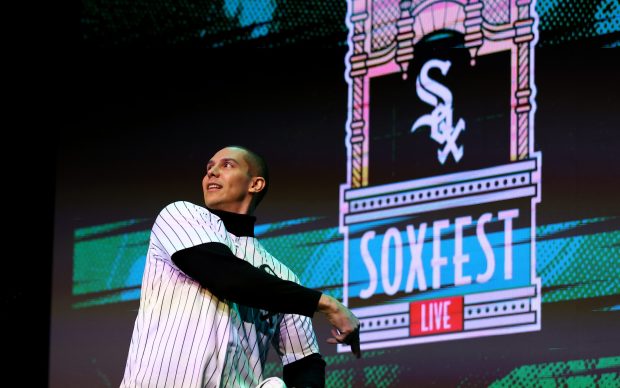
x=258, y=167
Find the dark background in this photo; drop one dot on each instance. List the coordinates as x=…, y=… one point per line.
x=115, y=133
x=138, y=132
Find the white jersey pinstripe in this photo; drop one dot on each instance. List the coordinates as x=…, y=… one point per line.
x=184, y=336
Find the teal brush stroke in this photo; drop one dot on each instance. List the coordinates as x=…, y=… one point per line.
x=577, y=267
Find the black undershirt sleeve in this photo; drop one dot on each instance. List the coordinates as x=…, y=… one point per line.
x=214, y=266
x=304, y=373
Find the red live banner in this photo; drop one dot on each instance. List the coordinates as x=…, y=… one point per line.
x=436, y=316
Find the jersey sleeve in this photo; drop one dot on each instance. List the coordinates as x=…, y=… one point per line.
x=182, y=225
x=295, y=338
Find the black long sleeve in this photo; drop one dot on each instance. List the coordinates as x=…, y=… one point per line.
x=305, y=373
x=215, y=267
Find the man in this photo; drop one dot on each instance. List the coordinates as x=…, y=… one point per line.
x=210, y=303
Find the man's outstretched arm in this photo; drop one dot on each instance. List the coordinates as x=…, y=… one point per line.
x=216, y=268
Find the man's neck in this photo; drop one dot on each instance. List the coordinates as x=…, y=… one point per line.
x=236, y=223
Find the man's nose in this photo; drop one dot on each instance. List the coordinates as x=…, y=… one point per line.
x=213, y=171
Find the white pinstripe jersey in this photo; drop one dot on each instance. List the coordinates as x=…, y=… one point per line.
x=184, y=336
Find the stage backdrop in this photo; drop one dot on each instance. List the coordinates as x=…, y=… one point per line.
x=447, y=179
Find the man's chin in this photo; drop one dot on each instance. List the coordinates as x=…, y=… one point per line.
x=214, y=204
x=211, y=203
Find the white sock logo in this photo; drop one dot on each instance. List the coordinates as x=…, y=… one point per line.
x=440, y=119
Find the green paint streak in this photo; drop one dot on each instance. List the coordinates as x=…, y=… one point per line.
x=106, y=263
x=341, y=378
x=571, y=268
x=574, y=373
x=381, y=375
x=586, y=265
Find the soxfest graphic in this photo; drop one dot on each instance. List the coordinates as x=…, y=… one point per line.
x=438, y=213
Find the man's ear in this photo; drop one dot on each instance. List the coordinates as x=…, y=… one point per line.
x=258, y=184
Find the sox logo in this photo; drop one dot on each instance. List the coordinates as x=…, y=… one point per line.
x=440, y=119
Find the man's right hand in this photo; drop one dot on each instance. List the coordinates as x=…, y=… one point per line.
x=345, y=325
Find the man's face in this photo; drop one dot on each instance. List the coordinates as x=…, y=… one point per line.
x=228, y=181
